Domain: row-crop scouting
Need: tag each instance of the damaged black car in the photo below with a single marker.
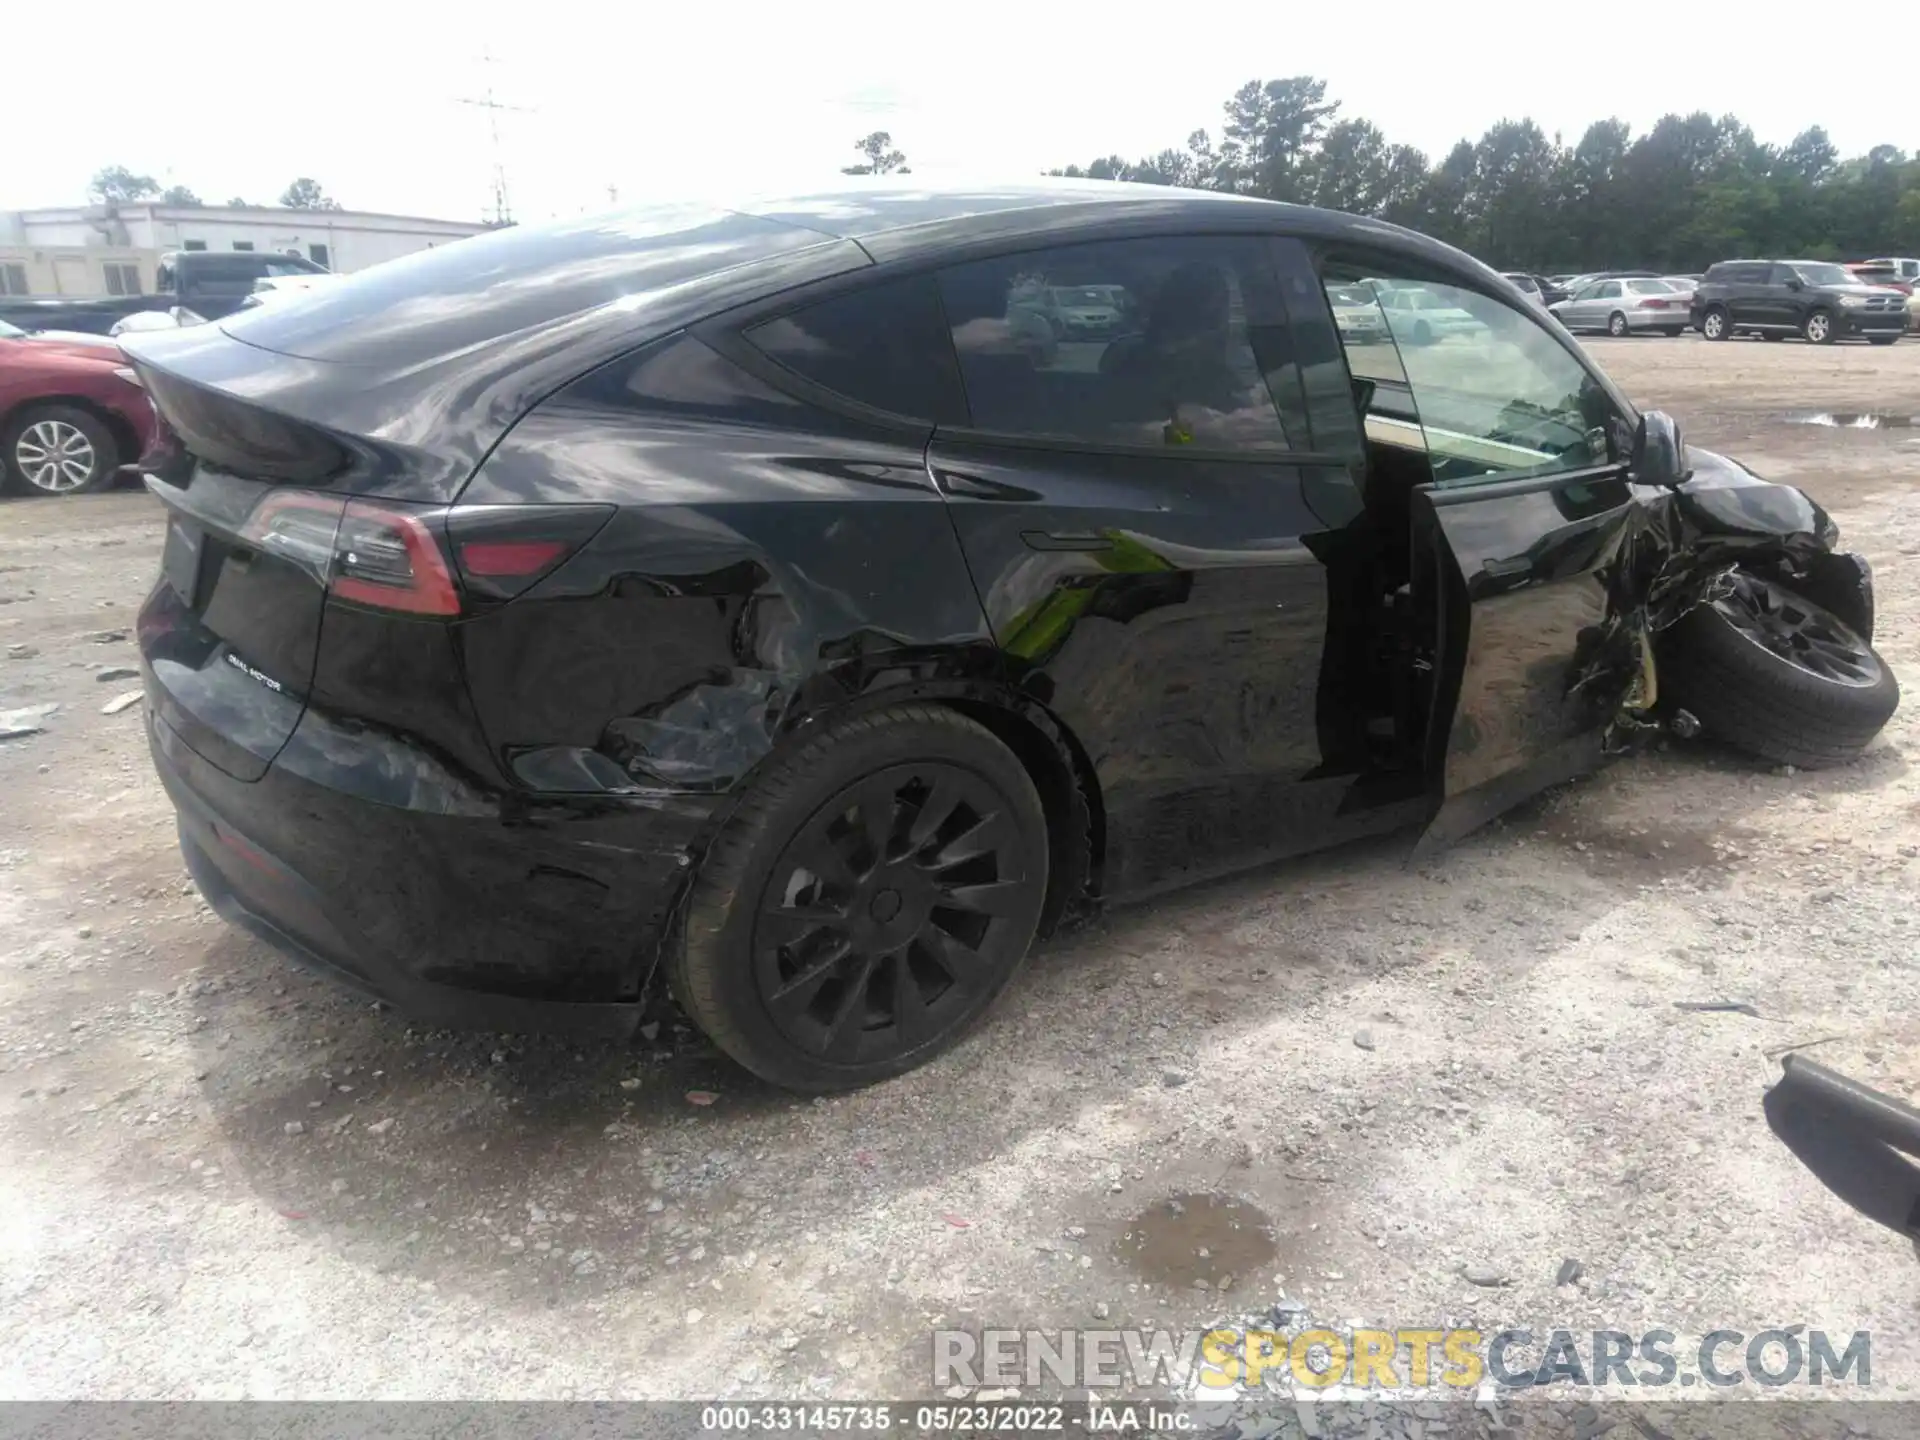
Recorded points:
(781, 604)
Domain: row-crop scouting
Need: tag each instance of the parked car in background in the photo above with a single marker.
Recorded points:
(72, 413)
(1883, 273)
(1900, 267)
(1526, 284)
(211, 283)
(1625, 307)
(727, 598)
(1422, 316)
(1816, 299)
(155, 320)
(1684, 286)
(1076, 312)
(1356, 314)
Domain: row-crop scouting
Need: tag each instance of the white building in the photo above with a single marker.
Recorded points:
(113, 250)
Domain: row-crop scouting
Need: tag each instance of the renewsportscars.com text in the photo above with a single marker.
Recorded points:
(1224, 1359)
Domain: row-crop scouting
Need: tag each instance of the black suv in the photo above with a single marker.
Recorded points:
(1816, 299)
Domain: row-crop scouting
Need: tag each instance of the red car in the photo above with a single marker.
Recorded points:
(71, 413)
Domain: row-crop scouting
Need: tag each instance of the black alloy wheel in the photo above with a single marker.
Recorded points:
(874, 895)
(1796, 631)
(875, 932)
(1764, 669)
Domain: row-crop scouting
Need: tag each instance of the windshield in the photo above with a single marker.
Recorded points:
(1078, 295)
(1826, 275)
(1649, 287)
(10, 332)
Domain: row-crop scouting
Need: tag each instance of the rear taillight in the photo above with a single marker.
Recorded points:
(1650, 303)
(504, 550)
(391, 560)
(420, 561)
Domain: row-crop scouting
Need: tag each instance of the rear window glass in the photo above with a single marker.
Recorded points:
(882, 345)
(479, 289)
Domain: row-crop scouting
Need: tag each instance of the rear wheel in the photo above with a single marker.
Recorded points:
(1817, 328)
(1715, 324)
(59, 450)
(1883, 339)
(867, 902)
(1673, 330)
(1617, 325)
(1774, 674)
(1771, 335)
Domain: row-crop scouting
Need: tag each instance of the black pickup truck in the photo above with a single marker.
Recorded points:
(210, 283)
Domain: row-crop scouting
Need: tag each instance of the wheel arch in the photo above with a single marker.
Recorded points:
(1046, 748)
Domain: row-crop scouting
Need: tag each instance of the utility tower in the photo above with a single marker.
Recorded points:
(502, 207)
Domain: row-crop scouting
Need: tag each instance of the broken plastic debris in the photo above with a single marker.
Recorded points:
(701, 1097)
(27, 720)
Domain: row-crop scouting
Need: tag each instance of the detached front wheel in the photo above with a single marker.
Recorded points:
(869, 899)
(1771, 673)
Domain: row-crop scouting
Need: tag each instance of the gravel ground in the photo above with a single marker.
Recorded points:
(1362, 1083)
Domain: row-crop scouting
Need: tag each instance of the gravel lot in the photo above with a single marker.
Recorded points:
(224, 1179)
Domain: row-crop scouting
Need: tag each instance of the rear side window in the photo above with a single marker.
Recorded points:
(1151, 343)
(881, 345)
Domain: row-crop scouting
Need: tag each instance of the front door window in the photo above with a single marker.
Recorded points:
(1486, 390)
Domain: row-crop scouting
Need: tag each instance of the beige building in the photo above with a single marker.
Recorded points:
(113, 250)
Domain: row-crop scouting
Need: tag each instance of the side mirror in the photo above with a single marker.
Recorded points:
(1794, 282)
(1659, 454)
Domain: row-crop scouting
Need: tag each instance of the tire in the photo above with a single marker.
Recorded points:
(792, 901)
(1771, 335)
(1422, 333)
(1617, 326)
(1775, 675)
(1672, 330)
(1818, 328)
(58, 450)
(1882, 339)
(1716, 324)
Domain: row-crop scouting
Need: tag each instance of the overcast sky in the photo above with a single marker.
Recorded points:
(664, 100)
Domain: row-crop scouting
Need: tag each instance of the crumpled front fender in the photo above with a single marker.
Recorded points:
(1725, 515)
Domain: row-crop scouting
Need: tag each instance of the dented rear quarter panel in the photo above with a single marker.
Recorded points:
(770, 562)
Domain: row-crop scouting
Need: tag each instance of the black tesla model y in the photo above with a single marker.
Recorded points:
(806, 605)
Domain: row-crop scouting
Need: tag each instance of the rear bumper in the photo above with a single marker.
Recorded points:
(497, 922)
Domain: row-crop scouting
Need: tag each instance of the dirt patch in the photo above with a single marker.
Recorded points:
(1197, 1242)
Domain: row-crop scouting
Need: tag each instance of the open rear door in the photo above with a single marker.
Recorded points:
(1534, 659)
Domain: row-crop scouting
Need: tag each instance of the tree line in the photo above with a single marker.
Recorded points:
(117, 185)
(1692, 190)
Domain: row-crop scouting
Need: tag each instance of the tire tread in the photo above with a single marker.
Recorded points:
(1752, 700)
